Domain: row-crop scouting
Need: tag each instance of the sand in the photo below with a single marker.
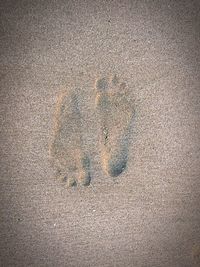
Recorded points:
(100, 144)
(66, 149)
(116, 118)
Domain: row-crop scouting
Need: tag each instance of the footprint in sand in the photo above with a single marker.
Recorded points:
(116, 114)
(67, 147)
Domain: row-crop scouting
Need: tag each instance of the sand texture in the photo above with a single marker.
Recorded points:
(116, 115)
(67, 149)
(100, 133)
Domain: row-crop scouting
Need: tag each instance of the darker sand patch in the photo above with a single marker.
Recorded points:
(196, 254)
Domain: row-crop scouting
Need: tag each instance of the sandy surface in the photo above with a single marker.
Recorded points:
(149, 215)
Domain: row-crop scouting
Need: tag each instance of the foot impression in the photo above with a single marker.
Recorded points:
(116, 114)
(67, 152)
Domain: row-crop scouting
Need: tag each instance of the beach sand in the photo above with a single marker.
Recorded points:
(100, 143)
